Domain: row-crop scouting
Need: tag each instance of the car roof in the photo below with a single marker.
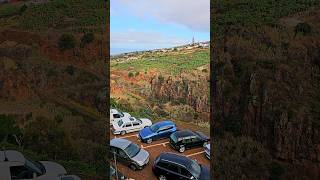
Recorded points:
(128, 119)
(120, 143)
(164, 123)
(11, 156)
(184, 133)
(176, 158)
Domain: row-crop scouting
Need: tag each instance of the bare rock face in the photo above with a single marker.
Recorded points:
(183, 90)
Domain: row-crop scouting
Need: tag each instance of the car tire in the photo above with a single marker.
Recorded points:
(133, 167)
(162, 177)
(123, 133)
(149, 141)
(182, 149)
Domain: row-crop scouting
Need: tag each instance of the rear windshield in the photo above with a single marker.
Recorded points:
(174, 138)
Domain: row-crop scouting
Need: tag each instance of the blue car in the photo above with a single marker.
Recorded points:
(159, 130)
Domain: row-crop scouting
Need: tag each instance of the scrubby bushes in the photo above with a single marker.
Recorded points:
(66, 41)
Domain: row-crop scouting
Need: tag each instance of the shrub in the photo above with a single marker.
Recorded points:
(8, 128)
(276, 170)
(23, 9)
(130, 74)
(66, 41)
(70, 70)
(303, 28)
(137, 74)
(87, 38)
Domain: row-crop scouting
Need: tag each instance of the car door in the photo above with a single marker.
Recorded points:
(185, 174)
(124, 157)
(136, 126)
(166, 169)
(186, 142)
(174, 171)
(128, 127)
(164, 132)
(197, 142)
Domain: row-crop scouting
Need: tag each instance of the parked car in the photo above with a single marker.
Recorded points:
(174, 166)
(130, 124)
(186, 139)
(115, 115)
(207, 150)
(116, 175)
(128, 153)
(159, 130)
(13, 165)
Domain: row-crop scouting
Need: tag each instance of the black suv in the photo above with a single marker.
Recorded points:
(174, 166)
(186, 139)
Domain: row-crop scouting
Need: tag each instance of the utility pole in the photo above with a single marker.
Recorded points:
(115, 165)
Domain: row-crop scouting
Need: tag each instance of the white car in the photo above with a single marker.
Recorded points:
(130, 124)
(13, 165)
(115, 115)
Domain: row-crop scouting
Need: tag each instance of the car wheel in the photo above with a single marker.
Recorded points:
(182, 149)
(123, 133)
(133, 167)
(162, 177)
(149, 140)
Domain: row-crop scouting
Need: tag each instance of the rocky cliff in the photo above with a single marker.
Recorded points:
(183, 89)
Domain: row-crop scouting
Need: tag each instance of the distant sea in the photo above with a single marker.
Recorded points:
(116, 51)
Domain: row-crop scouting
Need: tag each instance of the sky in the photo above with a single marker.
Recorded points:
(137, 25)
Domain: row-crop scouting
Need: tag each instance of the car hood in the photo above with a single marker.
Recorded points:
(115, 125)
(205, 173)
(146, 122)
(141, 157)
(53, 170)
(146, 133)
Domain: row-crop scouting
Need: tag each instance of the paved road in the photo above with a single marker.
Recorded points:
(154, 149)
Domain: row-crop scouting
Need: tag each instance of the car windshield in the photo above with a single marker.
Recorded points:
(121, 114)
(120, 122)
(195, 169)
(35, 166)
(154, 127)
(174, 138)
(139, 120)
(132, 150)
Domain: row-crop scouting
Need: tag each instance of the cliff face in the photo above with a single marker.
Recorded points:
(192, 91)
(269, 90)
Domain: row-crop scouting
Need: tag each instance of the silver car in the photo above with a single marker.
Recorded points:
(128, 153)
(13, 165)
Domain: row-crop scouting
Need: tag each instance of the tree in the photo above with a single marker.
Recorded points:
(9, 130)
(87, 38)
(23, 9)
(66, 41)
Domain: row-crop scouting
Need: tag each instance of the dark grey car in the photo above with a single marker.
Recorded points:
(128, 153)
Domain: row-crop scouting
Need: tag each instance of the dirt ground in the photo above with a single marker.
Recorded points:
(154, 149)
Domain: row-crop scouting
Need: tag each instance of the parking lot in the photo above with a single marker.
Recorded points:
(154, 149)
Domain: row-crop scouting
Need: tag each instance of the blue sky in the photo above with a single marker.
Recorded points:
(151, 24)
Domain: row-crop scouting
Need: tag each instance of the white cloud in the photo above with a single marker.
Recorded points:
(194, 14)
(138, 37)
